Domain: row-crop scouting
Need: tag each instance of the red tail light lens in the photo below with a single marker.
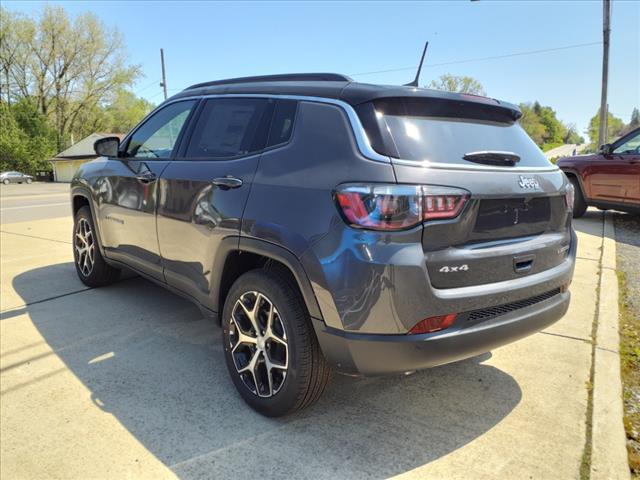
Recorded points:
(433, 324)
(397, 207)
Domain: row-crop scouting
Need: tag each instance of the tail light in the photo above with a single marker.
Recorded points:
(569, 196)
(397, 207)
(433, 324)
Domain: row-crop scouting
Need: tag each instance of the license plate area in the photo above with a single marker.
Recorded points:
(512, 217)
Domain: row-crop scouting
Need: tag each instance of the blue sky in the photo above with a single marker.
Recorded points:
(213, 40)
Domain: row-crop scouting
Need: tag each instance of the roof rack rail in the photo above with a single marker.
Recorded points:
(284, 77)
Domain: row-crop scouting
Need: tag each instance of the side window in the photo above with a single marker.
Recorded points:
(229, 127)
(282, 123)
(157, 137)
(630, 147)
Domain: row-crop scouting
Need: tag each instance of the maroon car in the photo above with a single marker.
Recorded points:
(609, 179)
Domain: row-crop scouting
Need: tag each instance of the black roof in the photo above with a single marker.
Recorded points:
(336, 86)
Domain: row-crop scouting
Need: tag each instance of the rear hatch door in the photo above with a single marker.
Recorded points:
(516, 221)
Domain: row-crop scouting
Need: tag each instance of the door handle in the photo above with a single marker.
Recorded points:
(523, 263)
(146, 177)
(225, 183)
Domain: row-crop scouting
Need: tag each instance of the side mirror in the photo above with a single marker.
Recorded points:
(107, 147)
(606, 149)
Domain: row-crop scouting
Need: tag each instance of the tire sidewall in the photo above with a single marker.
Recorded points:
(579, 204)
(263, 282)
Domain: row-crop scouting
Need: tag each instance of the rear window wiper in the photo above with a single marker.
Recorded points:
(492, 157)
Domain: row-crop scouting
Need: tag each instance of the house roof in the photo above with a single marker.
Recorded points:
(84, 148)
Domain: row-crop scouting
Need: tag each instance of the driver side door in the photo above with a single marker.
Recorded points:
(126, 195)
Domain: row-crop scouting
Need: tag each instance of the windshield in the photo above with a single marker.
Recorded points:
(447, 140)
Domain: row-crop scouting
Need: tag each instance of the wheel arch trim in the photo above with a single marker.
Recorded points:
(271, 251)
(84, 192)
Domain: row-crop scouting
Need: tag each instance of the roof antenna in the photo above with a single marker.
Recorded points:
(415, 80)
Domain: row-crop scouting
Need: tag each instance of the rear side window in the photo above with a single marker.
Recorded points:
(282, 123)
(229, 127)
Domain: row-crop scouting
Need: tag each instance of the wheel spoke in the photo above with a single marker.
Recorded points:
(256, 326)
(251, 368)
(243, 338)
(84, 246)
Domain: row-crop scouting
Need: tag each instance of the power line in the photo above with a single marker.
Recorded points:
(155, 82)
(481, 59)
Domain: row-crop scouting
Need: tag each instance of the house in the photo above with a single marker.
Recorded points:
(66, 163)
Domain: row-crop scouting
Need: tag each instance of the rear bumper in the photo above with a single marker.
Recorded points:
(374, 354)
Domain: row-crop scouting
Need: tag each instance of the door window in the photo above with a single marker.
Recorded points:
(157, 137)
(630, 147)
(230, 127)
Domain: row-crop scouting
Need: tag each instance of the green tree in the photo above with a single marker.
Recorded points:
(572, 135)
(615, 128)
(125, 111)
(531, 123)
(27, 140)
(454, 83)
(69, 67)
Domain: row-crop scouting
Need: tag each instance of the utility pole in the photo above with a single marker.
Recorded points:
(163, 84)
(606, 30)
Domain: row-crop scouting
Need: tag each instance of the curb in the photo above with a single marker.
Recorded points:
(608, 442)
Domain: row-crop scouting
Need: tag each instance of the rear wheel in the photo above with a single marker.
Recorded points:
(579, 205)
(29, 180)
(271, 351)
(5, 181)
(90, 265)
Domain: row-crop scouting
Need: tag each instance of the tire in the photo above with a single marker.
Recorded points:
(307, 372)
(579, 205)
(91, 267)
(5, 181)
(29, 181)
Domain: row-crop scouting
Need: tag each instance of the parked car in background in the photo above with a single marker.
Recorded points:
(608, 179)
(15, 177)
(329, 224)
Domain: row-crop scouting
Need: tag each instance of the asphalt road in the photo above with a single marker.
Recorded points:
(129, 381)
(22, 202)
(565, 150)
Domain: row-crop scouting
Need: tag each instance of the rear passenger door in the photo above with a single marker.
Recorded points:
(204, 190)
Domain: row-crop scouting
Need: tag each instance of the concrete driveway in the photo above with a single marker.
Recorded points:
(129, 381)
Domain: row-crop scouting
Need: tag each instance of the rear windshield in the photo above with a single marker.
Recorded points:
(447, 140)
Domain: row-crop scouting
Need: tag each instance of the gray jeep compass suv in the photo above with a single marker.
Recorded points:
(333, 225)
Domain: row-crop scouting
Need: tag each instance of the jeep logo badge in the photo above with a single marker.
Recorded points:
(528, 183)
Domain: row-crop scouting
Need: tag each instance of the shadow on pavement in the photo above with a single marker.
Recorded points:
(149, 358)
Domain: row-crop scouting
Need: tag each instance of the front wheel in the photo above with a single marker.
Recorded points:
(270, 348)
(91, 267)
(29, 180)
(5, 181)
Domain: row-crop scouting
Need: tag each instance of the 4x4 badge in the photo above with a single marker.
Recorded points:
(459, 268)
(528, 183)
